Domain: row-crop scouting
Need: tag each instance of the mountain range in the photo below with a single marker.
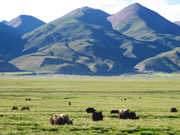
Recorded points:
(89, 41)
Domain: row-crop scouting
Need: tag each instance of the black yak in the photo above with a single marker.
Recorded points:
(96, 116)
(90, 110)
(114, 111)
(125, 114)
(173, 110)
(60, 120)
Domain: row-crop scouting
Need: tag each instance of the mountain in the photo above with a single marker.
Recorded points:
(83, 42)
(177, 22)
(4, 21)
(7, 67)
(144, 24)
(164, 62)
(11, 43)
(25, 23)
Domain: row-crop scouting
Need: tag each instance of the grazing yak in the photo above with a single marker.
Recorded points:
(14, 108)
(90, 110)
(96, 116)
(173, 110)
(125, 114)
(69, 103)
(114, 111)
(25, 108)
(60, 120)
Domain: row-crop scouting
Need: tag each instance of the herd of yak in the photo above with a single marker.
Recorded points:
(96, 116)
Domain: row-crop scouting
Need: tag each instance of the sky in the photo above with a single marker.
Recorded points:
(49, 10)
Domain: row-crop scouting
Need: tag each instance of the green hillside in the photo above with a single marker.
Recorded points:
(164, 62)
(144, 24)
(83, 42)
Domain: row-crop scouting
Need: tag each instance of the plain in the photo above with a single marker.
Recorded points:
(151, 99)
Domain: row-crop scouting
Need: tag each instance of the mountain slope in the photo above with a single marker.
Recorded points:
(83, 42)
(164, 62)
(177, 22)
(144, 24)
(11, 44)
(7, 67)
(25, 23)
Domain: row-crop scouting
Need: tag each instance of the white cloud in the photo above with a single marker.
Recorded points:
(49, 10)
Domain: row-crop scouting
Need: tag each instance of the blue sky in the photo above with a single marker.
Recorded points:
(173, 2)
(49, 10)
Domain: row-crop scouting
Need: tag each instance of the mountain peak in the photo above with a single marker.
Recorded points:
(149, 18)
(126, 13)
(87, 15)
(25, 23)
(135, 4)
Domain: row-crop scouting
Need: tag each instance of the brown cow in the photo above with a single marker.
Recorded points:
(25, 108)
(14, 108)
(60, 120)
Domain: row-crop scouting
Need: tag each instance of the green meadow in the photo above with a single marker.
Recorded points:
(50, 95)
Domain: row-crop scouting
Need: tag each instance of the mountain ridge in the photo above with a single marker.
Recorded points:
(25, 23)
(150, 20)
(86, 42)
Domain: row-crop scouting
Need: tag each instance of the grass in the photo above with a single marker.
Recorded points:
(51, 95)
(16, 73)
(167, 74)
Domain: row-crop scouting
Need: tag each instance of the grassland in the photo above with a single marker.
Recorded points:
(50, 95)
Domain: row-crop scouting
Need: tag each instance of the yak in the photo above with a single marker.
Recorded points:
(125, 114)
(130, 115)
(114, 111)
(123, 111)
(173, 110)
(14, 108)
(90, 110)
(96, 116)
(60, 120)
(25, 108)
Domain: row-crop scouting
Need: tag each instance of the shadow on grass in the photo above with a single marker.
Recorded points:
(156, 116)
(69, 97)
(100, 129)
(79, 129)
(114, 116)
(49, 129)
(93, 129)
(147, 131)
